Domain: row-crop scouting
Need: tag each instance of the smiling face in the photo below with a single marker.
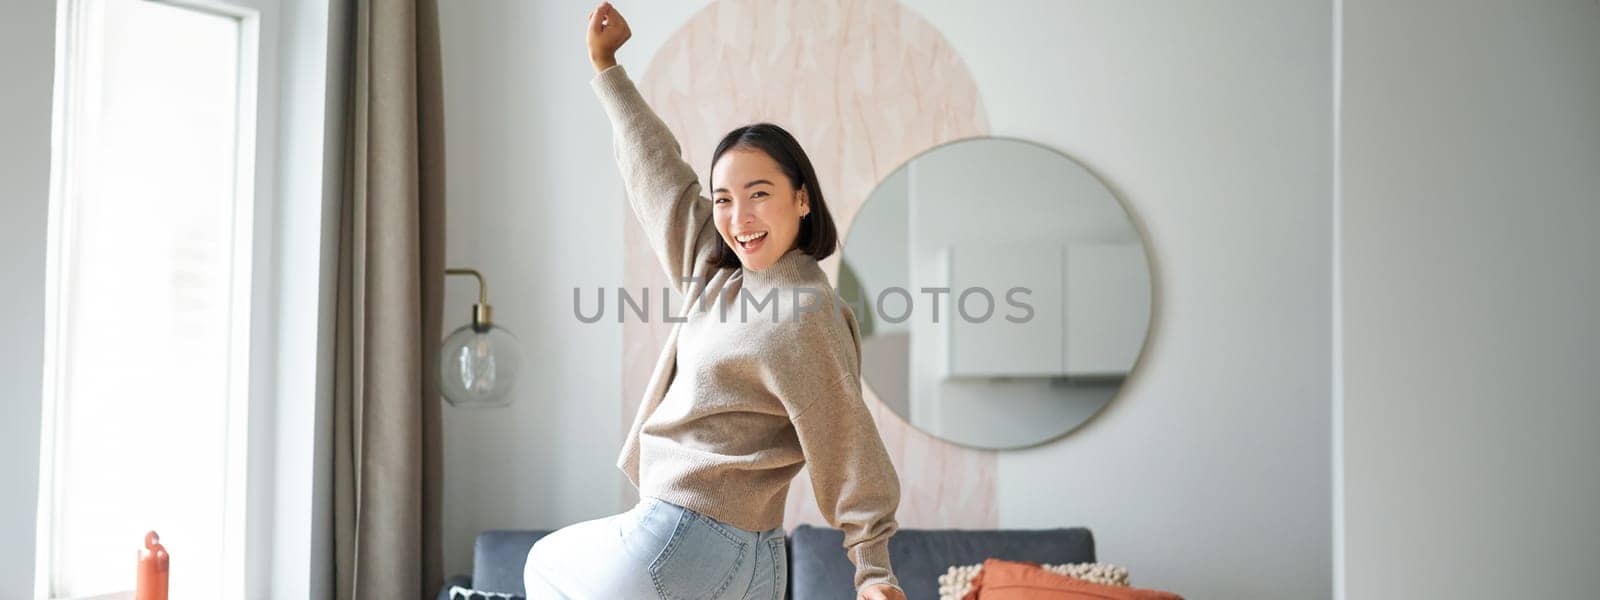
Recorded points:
(756, 209)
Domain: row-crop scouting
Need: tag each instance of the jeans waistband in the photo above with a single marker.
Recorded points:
(777, 532)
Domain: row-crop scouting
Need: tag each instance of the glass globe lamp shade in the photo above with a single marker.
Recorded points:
(478, 365)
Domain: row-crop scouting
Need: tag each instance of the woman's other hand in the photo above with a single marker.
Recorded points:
(607, 32)
(881, 592)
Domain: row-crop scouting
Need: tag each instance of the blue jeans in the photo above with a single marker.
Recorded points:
(658, 550)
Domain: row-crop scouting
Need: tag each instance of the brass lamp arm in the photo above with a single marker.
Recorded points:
(482, 313)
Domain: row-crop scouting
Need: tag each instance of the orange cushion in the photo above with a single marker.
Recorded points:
(1021, 580)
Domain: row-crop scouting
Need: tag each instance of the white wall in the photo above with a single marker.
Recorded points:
(1470, 137)
(27, 29)
(1210, 477)
(536, 205)
(299, 515)
(1210, 474)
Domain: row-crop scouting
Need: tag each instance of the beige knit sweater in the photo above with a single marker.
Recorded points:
(761, 377)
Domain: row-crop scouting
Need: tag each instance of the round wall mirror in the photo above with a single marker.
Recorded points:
(1003, 292)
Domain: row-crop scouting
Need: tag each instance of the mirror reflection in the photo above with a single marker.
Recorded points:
(1003, 292)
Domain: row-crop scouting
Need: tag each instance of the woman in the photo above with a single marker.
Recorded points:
(753, 384)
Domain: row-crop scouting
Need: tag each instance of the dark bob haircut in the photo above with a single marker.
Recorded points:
(818, 236)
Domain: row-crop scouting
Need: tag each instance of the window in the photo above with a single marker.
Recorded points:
(149, 316)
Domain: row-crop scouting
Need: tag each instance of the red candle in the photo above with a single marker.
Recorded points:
(152, 582)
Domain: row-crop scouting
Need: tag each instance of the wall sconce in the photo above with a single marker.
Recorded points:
(479, 361)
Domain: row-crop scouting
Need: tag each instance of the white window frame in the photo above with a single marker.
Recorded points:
(248, 529)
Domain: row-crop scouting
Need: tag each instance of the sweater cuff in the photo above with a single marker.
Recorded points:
(872, 565)
(608, 78)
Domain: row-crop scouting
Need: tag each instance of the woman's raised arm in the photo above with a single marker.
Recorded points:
(662, 188)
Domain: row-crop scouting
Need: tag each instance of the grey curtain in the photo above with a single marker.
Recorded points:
(387, 456)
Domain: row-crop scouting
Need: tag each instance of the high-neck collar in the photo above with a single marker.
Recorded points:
(794, 268)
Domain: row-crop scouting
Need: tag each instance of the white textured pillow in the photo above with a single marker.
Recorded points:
(957, 581)
(460, 593)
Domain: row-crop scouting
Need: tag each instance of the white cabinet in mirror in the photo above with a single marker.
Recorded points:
(1003, 291)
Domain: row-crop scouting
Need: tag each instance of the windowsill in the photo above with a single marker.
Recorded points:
(128, 595)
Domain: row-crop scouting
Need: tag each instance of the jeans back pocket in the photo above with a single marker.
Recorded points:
(699, 561)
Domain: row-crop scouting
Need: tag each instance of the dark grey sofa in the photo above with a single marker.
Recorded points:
(818, 568)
